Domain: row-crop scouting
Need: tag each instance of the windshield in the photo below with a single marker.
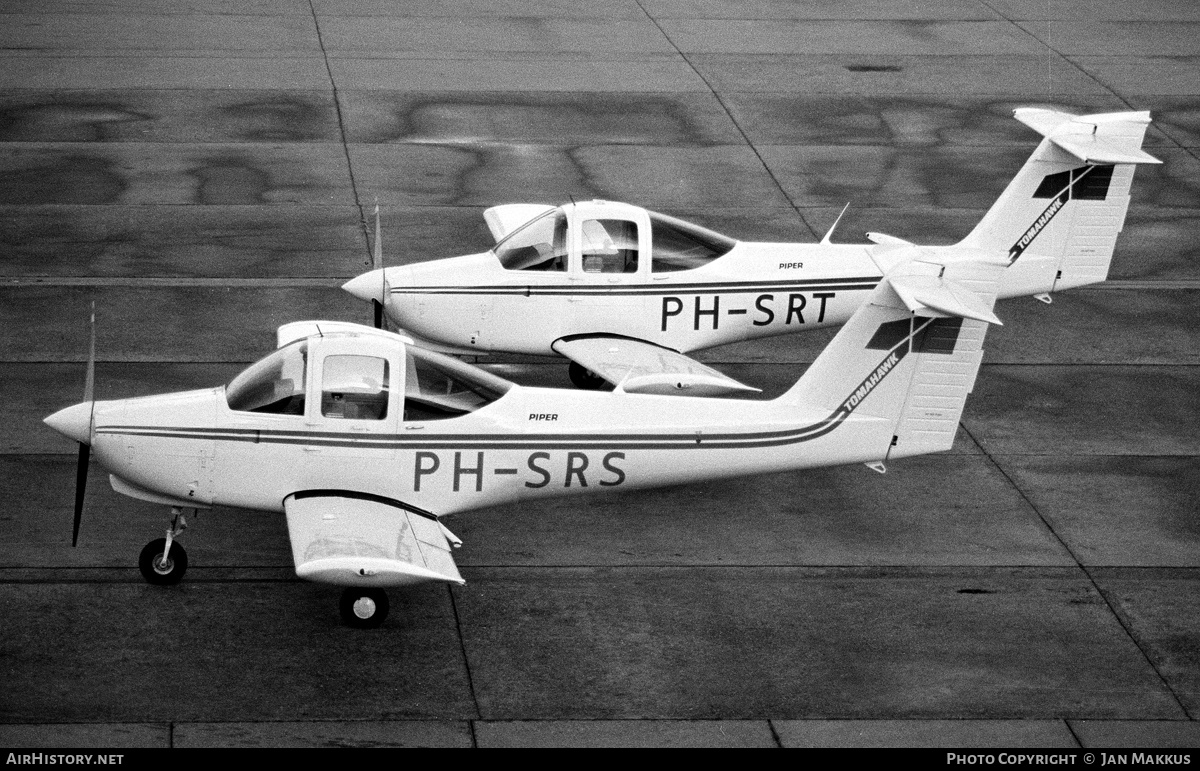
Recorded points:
(677, 245)
(537, 245)
(273, 385)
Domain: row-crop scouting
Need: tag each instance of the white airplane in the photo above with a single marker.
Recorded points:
(582, 279)
(363, 439)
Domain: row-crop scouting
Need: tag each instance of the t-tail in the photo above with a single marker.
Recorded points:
(1059, 218)
(906, 360)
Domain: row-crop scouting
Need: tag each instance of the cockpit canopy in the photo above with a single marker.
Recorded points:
(354, 377)
(274, 384)
(537, 245)
(680, 245)
(600, 237)
(438, 386)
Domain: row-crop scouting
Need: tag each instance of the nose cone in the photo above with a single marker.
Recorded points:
(74, 422)
(367, 287)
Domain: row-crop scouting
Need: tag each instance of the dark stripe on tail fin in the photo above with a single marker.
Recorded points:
(1090, 183)
(938, 336)
(1086, 183)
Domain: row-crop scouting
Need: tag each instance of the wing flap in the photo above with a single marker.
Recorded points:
(350, 540)
(636, 366)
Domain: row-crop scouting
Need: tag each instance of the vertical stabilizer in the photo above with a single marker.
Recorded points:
(908, 356)
(1059, 218)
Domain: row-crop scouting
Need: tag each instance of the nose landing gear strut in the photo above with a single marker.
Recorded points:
(163, 562)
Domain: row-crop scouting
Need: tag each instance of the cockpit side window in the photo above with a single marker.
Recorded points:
(354, 387)
(609, 246)
(438, 387)
(274, 385)
(537, 245)
(679, 245)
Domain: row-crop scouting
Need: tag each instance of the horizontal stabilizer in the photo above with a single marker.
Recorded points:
(357, 540)
(504, 219)
(931, 292)
(1114, 137)
(636, 366)
(1094, 149)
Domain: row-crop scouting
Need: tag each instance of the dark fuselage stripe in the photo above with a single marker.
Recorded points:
(508, 442)
(845, 284)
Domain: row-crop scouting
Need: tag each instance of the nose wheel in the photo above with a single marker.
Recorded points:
(163, 562)
(161, 567)
(364, 608)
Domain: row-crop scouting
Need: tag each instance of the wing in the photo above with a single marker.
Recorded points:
(636, 366)
(358, 540)
(502, 220)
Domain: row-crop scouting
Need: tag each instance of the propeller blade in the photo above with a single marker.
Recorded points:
(81, 474)
(89, 383)
(377, 254)
(85, 448)
(377, 264)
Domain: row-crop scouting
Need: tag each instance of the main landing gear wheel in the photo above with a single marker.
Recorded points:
(364, 608)
(162, 572)
(584, 378)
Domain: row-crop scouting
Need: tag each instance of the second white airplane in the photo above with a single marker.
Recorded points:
(624, 292)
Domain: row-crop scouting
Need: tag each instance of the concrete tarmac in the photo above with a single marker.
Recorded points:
(205, 172)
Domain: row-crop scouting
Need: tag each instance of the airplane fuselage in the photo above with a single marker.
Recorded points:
(757, 290)
(190, 449)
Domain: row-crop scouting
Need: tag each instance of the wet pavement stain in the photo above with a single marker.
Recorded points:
(281, 119)
(76, 178)
(556, 177)
(545, 119)
(231, 182)
(939, 177)
(90, 121)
